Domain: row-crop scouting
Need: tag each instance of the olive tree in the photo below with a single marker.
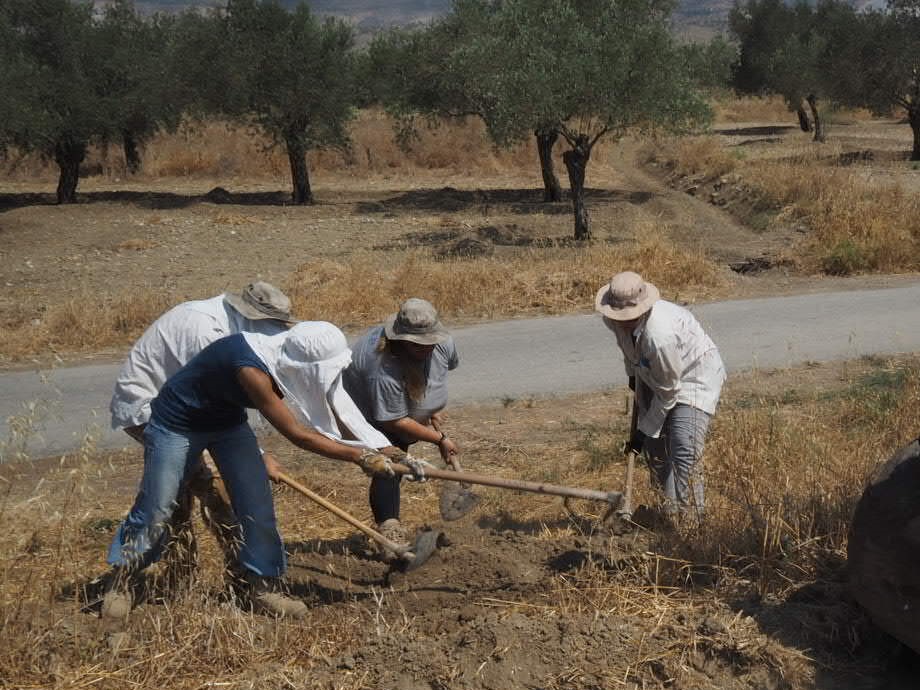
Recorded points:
(432, 72)
(590, 69)
(879, 66)
(139, 85)
(52, 85)
(288, 73)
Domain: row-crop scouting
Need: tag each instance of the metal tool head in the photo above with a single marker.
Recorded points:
(457, 499)
(424, 547)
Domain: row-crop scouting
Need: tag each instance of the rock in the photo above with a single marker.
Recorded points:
(884, 547)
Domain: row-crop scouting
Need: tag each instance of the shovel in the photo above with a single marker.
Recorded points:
(457, 499)
(409, 558)
(613, 499)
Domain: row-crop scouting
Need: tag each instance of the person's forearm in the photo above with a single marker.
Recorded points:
(414, 430)
(316, 442)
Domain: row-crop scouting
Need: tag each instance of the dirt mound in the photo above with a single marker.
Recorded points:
(510, 609)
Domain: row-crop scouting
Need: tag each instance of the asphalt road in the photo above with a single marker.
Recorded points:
(527, 358)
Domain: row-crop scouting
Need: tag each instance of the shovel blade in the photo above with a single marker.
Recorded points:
(456, 500)
(425, 545)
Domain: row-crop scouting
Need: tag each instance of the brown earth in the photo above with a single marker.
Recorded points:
(185, 238)
(525, 594)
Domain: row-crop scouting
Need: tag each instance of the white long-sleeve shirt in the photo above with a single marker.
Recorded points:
(167, 345)
(674, 357)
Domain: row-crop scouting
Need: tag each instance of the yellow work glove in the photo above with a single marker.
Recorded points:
(376, 464)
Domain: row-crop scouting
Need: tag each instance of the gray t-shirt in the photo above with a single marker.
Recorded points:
(374, 382)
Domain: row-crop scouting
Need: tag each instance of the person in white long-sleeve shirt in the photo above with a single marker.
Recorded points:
(171, 341)
(677, 375)
(167, 345)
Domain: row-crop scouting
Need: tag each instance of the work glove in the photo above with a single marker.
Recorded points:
(635, 442)
(376, 464)
(418, 466)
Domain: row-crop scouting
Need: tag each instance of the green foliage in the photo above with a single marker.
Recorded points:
(592, 68)
(710, 64)
(845, 259)
(427, 71)
(288, 73)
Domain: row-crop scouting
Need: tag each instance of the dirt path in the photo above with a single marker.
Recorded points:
(688, 221)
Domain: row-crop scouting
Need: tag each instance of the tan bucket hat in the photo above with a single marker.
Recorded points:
(261, 300)
(416, 321)
(626, 297)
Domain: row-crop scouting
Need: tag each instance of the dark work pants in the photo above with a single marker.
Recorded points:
(384, 494)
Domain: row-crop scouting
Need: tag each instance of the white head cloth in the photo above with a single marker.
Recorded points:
(306, 362)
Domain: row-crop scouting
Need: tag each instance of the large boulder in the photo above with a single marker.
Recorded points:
(883, 556)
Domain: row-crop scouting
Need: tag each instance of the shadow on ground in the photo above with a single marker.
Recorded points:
(152, 200)
(764, 131)
(522, 201)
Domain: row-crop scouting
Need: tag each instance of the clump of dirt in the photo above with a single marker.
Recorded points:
(514, 609)
(466, 242)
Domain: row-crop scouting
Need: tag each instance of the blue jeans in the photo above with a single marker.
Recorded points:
(674, 457)
(171, 459)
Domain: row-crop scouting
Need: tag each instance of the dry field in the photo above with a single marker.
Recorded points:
(452, 219)
(526, 595)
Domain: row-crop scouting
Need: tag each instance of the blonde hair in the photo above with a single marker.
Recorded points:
(414, 374)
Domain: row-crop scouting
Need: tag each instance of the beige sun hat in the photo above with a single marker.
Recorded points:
(626, 297)
(261, 300)
(416, 321)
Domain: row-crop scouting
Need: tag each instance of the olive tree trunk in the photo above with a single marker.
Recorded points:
(913, 116)
(819, 124)
(132, 151)
(804, 122)
(546, 139)
(68, 154)
(297, 156)
(576, 163)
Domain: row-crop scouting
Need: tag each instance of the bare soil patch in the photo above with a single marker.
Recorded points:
(526, 594)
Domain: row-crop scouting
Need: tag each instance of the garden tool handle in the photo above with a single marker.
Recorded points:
(627, 508)
(401, 551)
(612, 497)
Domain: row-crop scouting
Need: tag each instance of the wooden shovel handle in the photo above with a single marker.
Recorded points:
(347, 517)
(612, 497)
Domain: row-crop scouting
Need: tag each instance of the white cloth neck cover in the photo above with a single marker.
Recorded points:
(307, 363)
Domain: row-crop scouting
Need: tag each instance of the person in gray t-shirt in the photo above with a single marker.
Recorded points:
(398, 379)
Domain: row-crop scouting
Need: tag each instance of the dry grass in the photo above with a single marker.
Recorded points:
(82, 323)
(702, 156)
(858, 222)
(223, 150)
(786, 460)
(534, 281)
(360, 291)
(732, 108)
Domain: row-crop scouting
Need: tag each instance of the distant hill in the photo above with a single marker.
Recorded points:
(694, 19)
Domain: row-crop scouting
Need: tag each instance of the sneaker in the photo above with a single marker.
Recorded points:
(393, 530)
(119, 598)
(268, 598)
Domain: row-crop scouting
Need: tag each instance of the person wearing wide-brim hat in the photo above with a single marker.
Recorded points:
(677, 375)
(398, 379)
(167, 345)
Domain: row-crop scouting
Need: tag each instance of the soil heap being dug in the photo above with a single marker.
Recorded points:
(533, 607)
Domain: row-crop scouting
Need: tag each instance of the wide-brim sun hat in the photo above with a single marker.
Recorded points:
(626, 297)
(417, 322)
(261, 300)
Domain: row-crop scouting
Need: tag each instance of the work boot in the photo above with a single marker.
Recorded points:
(267, 596)
(393, 530)
(119, 596)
